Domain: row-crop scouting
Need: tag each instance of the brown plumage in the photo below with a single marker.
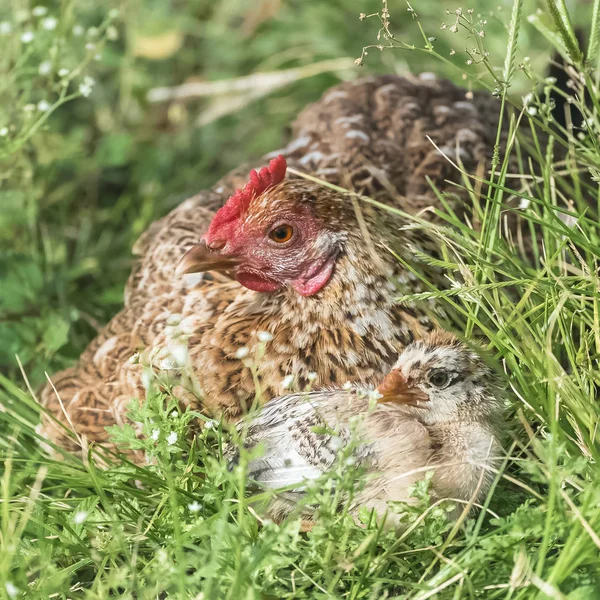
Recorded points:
(439, 410)
(369, 136)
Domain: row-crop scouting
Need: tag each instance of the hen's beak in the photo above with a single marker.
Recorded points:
(201, 258)
(395, 389)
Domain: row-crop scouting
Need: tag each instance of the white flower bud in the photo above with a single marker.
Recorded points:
(242, 352)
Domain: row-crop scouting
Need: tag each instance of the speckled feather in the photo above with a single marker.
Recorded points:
(367, 135)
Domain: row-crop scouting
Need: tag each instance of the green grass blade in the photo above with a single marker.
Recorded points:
(594, 43)
(513, 39)
(562, 22)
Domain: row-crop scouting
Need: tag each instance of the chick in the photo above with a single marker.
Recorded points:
(439, 409)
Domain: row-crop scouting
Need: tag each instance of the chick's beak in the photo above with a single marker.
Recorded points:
(201, 258)
(396, 390)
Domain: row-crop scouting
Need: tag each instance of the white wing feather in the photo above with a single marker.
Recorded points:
(293, 452)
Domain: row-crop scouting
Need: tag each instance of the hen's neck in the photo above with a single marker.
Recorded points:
(361, 286)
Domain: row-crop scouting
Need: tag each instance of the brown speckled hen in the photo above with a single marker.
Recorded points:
(327, 295)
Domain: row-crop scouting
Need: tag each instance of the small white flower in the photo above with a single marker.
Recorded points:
(85, 87)
(134, 359)
(50, 23)
(155, 434)
(45, 67)
(80, 517)
(264, 336)
(527, 99)
(78, 30)
(39, 11)
(147, 379)
(174, 319)
(180, 354)
(211, 424)
(532, 110)
(90, 46)
(112, 34)
(174, 414)
(11, 589)
(287, 381)
(3, 131)
(113, 13)
(43, 105)
(172, 438)
(63, 72)
(336, 443)
(5, 28)
(347, 385)
(194, 506)
(92, 32)
(242, 352)
(350, 461)
(97, 57)
(374, 395)
(354, 420)
(27, 36)
(312, 376)
(167, 364)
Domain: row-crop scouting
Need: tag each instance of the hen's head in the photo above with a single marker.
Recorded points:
(272, 233)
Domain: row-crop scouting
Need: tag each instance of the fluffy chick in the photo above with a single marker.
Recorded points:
(439, 409)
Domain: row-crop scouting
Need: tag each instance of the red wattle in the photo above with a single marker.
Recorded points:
(309, 287)
(256, 283)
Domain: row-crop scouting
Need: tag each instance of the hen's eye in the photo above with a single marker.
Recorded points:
(281, 234)
(439, 378)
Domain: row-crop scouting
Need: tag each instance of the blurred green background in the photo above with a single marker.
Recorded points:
(80, 180)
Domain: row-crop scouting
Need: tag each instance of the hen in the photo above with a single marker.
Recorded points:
(325, 297)
(439, 409)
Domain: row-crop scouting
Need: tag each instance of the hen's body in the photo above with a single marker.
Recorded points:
(369, 136)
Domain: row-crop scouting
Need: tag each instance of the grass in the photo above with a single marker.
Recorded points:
(85, 170)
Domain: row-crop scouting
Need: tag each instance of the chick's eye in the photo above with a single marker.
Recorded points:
(439, 379)
(281, 233)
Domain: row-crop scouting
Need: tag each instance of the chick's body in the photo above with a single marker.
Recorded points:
(407, 428)
(297, 452)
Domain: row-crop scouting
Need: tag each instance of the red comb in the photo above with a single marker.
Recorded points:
(258, 183)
